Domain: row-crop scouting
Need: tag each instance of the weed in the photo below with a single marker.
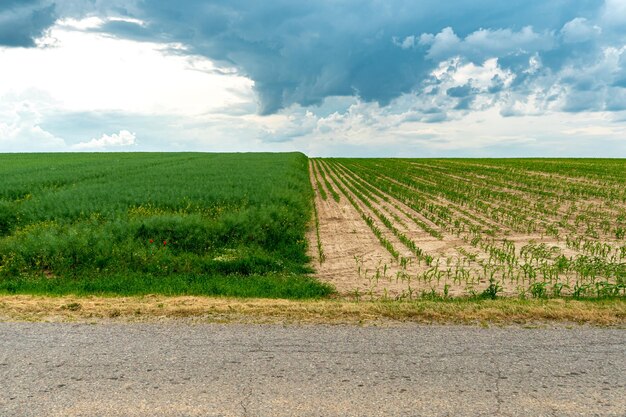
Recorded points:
(492, 290)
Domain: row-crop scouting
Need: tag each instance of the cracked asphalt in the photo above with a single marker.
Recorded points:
(180, 369)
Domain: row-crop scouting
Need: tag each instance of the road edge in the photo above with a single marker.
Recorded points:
(159, 308)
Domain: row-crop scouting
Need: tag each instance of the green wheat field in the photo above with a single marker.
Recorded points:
(227, 224)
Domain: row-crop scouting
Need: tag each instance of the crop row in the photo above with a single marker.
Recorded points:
(511, 229)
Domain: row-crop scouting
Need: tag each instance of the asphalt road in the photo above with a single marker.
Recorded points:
(263, 370)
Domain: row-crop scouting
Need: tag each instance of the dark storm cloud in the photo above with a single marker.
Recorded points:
(460, 91)
(21, 22)
(129, 30)
(303, 52)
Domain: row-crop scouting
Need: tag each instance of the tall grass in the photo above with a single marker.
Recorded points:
(133, 223)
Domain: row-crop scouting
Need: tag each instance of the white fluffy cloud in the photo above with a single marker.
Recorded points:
(614, 13)
(123, 139)
(20, 131)
(580, 30)
(483, 132)
(86, 71)
(484, 43)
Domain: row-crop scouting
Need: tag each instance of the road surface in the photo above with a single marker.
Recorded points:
(269, 370)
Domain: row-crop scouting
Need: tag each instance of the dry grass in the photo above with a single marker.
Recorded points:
(156, 308)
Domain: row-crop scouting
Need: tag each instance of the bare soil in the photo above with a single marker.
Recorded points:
(346, 240)
(358, 265)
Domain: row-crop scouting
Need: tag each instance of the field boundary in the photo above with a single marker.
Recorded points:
(157, 308)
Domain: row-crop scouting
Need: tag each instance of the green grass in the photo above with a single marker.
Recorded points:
(186, 223)
(255, 286)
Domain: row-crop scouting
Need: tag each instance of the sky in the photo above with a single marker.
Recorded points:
(388, 78)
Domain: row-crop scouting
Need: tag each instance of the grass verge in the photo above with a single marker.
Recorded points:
(151, 308)
(288, 286)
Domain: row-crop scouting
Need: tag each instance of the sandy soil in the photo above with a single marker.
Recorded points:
(346, 241)
(358, 265)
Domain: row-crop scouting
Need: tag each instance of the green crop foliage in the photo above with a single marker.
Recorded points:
(186, 223)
